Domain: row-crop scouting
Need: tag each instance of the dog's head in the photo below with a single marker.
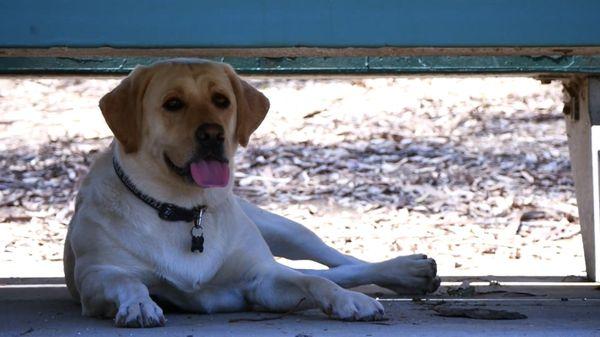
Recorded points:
(185, 116)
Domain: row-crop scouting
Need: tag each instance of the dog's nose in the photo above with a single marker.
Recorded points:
(210, 132)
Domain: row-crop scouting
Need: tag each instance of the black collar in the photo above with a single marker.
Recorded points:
(169, 212)
(166, 211)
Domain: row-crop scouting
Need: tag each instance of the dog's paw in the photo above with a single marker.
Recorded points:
(413, 274)
(352, 306)
(140, 314)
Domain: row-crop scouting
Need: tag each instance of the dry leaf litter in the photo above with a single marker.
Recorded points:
(472, 171)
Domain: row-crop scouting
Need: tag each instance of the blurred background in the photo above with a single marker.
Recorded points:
(471, 171)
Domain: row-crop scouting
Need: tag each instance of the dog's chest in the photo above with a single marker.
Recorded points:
(167, 252)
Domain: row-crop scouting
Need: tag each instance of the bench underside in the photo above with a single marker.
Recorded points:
(303, 37)
(291, 24)
(336, 65)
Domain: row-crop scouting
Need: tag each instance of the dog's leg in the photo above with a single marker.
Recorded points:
(413, 274)
(293, 241)
(109, 291)
(280, 288)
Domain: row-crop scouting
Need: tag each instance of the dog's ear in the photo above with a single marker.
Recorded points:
(122, 108)
(252, 107)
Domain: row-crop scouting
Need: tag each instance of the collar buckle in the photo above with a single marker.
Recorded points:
(166, 211)
(170, 212)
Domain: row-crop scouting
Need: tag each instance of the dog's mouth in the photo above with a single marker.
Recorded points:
(205, 171)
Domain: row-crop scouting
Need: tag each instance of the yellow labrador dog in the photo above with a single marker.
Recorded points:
(156, 214)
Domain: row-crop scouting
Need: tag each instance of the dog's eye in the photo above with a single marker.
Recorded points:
(173, 104)
(220, 101)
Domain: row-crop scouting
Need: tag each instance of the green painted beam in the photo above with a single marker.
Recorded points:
(320, 65)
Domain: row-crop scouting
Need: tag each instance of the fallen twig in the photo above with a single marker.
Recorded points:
(476, 313)
(270, 318)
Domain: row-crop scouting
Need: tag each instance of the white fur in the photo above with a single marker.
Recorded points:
(118, 251)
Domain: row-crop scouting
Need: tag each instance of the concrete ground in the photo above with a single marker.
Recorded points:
(552, 309)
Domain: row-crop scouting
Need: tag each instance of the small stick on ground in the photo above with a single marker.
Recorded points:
(270, 318)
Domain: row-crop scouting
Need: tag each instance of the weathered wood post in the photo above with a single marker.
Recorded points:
(583, 132)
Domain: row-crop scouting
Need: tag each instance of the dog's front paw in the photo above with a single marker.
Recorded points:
(352, 306)
(142, 313)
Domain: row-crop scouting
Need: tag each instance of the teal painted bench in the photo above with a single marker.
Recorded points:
(547, 39)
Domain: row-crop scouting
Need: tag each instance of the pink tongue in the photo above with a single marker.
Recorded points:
(210, 173)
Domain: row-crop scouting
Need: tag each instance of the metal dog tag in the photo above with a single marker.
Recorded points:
(197, 233)
(197, 243)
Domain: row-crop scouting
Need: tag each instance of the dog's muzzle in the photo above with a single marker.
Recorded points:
(209, 166)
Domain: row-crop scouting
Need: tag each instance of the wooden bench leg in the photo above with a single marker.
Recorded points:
(583, 132)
